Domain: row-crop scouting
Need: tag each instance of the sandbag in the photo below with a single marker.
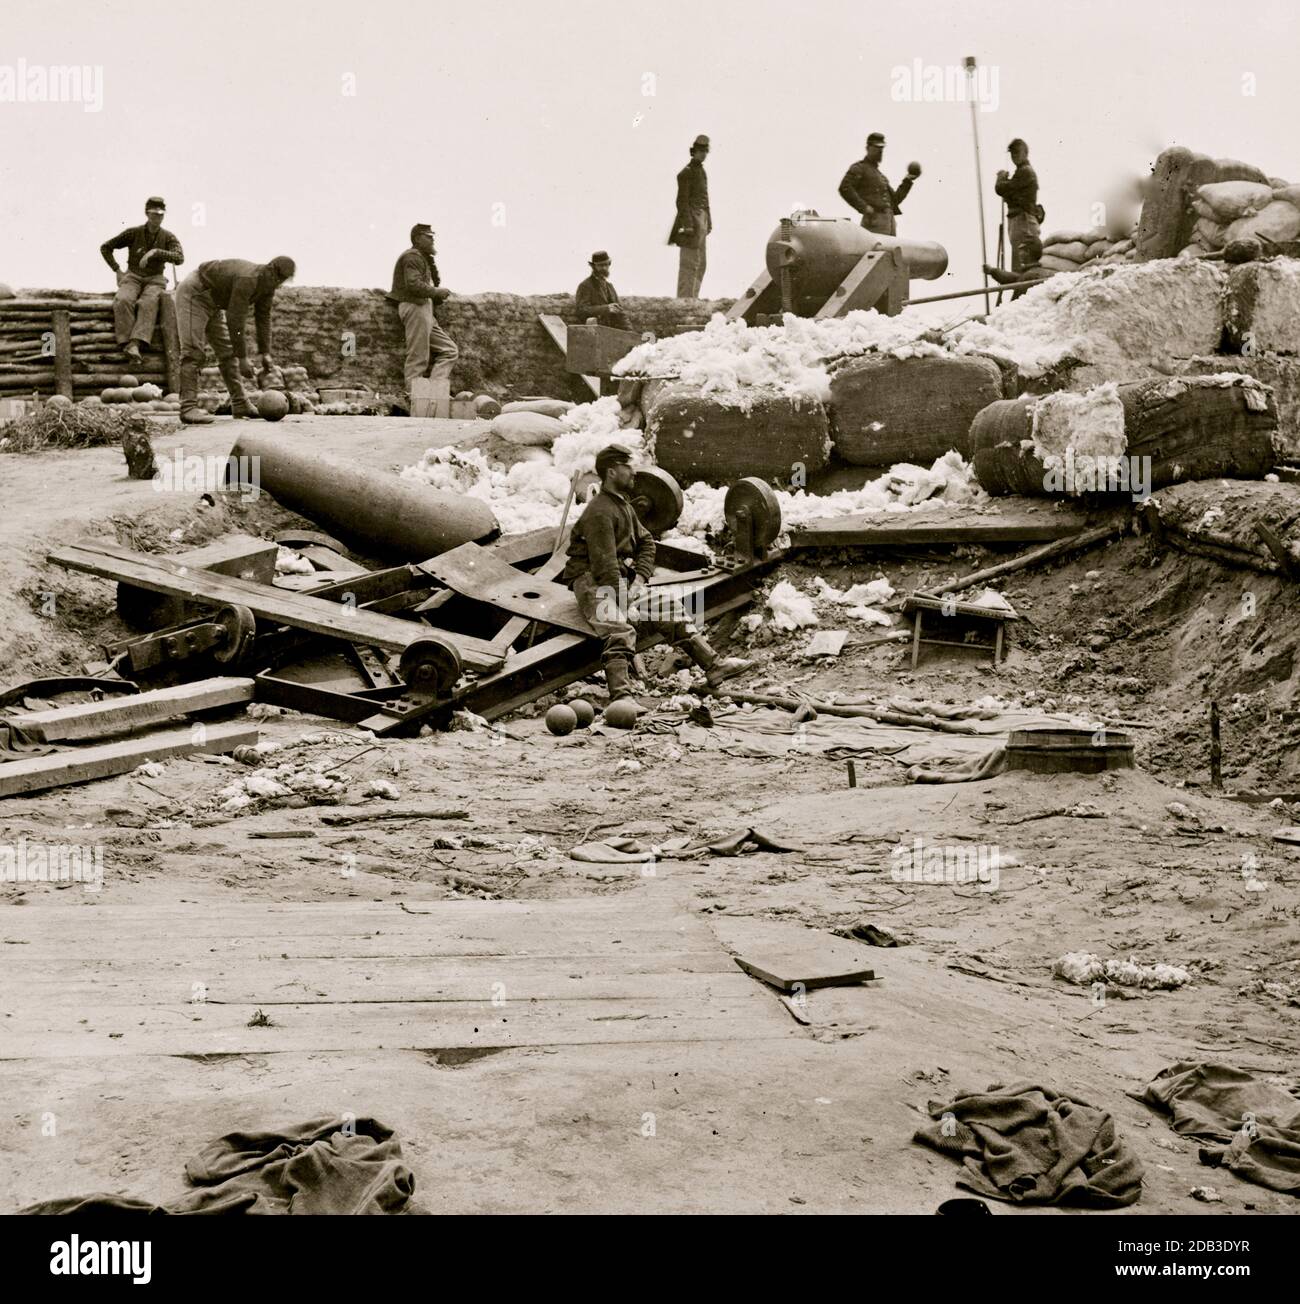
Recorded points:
(1278, 221)
(886, 410)
(548, 407)
(1288, 194)
(532, 429)
(1075, 251)
(1001, 437)
(1063, 237)
(698, 437)
(1261, 307)
(1208, 233)
(1233, 199)
(1201, 427)
(1054, 264)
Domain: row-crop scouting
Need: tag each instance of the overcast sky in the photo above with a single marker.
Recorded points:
(529, 134)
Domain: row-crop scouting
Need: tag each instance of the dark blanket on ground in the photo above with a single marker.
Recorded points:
(326, 1166)
(1255, 1125)
(1026, 1144)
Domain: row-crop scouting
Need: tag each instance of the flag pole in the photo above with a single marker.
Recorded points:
(979, 175)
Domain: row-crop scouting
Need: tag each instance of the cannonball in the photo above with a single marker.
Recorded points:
(59, 401)
(914, 169)
(1245, 250)
(561, 719)
(272, 405)
(127, 382)
(622, 713)
(584, 710)
(6, 292)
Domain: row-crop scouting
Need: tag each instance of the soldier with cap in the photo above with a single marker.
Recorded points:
(139, 288)
(693, 221)
(611, 559)
(212, 306)
(416, 288)
(865, 188)
(597, 298)
(1019, 191)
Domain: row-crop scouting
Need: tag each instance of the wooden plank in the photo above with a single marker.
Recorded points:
(517, 549)
(888, 529)
(81, 764)
(558, 330)
(243, 555)
(125, 714)
(62, 352)
(594, 349)
(299, 611)
(476, 573)
(790, 957)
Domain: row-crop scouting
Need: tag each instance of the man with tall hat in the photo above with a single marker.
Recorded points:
(597, 298)
(865, 189)
(417, 287)
(611, 559)
(212, 307)
(692, 222)
(149, 248)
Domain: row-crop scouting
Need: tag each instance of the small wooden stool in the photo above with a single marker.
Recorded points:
(955, 613)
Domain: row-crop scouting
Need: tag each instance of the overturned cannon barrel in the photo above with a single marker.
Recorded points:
(381, 514)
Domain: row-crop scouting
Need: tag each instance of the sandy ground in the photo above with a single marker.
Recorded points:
(818, 1121)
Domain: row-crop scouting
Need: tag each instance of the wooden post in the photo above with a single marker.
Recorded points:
(1216, 750)
(62, 352)
(171, 342)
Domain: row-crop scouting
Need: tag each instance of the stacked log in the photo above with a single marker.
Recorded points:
(65, 346)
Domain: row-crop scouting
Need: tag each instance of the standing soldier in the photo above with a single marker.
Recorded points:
(1020, 191)
(866, 190)
(611, 559)
(693, 222)
(416, 288)
(139, 288)
(211, 308)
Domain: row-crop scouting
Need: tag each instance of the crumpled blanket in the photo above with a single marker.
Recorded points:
(328, 1165)
(1027, 1144)
(628, 851)
(1255, 1125)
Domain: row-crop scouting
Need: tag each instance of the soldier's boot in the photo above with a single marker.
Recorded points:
(191, 413)
(240, 407)
(617, 680)
(716, 669)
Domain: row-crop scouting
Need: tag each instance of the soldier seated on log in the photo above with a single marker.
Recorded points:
(140, 288)
(611, 560)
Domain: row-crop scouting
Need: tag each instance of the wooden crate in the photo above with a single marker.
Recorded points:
(593, 350)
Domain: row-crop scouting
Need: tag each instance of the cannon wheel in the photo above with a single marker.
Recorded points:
(764, 510)
(657, 498)
(240, 628)
(430, 665)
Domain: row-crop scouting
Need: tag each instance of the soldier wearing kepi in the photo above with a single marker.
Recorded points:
(611, 560)
(1019, 191)
(693, 221)
(141, 287)
(416, 288)
(865, 189)
(212, 306)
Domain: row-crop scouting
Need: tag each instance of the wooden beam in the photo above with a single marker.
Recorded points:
(1076, 542)
(871, 530)
(243, 555)
(81, 764)
(556, 328)
(127, 714)
(297, 610)
(62, 353)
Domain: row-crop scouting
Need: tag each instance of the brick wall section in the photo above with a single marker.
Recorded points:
(503, 348)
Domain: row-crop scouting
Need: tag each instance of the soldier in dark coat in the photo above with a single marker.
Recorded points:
(692, 222)
(865, 189)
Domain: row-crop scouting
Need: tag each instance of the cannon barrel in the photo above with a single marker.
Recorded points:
(822, 251)
(382, 514)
